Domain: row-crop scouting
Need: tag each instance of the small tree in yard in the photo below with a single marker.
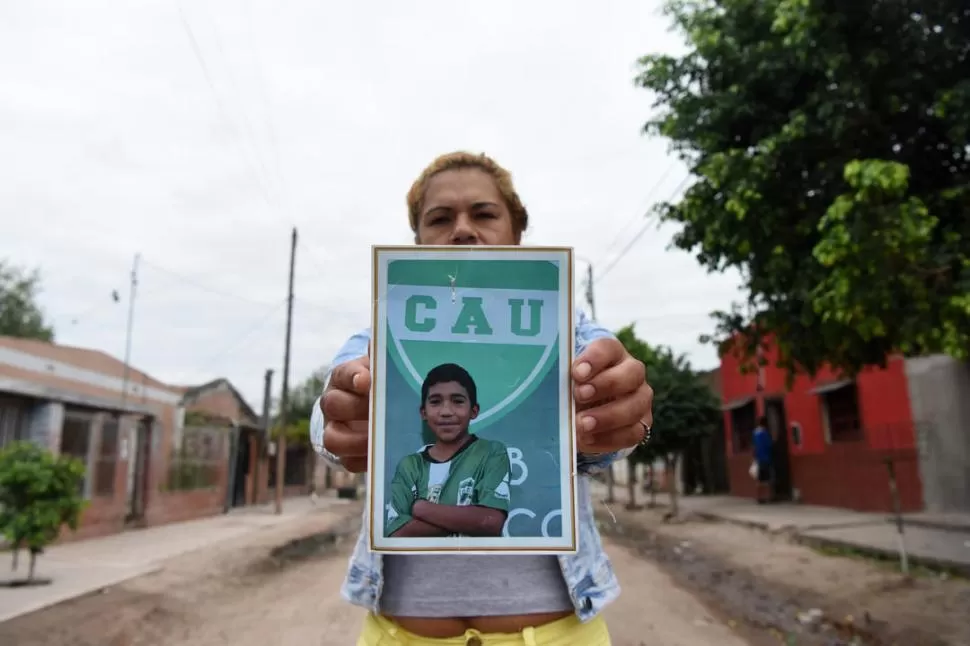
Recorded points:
(39, 494)
(684, 408)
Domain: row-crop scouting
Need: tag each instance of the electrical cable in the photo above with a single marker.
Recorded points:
(650, 218)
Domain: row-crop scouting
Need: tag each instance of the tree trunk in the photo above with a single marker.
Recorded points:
(631, 484)
(16, 553)
(609, 484)
(33, 562)
(670, 467)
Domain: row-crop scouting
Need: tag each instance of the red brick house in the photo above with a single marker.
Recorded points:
(833, 435)
(154, 453)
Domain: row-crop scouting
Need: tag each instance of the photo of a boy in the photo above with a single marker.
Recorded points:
(460, 484)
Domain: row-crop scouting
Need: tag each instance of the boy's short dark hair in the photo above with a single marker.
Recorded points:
(445, 373)
(763, 421)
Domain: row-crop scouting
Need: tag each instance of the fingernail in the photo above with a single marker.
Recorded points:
(585, 391)
(587, 423)
(354, 380)
(583, 370)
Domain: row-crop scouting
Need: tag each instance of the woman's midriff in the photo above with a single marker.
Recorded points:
(441, 628)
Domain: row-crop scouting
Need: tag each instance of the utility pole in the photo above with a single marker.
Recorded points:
(267, 425)
(131, 320)
(589, 290)
(284, 398)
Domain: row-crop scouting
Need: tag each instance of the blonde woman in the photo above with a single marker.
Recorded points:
(500, 600)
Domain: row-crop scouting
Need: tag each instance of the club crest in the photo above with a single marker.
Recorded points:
(478, 310)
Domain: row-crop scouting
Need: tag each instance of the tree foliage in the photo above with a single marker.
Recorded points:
(20, 315)
(830, 143)
(684, 408)
(39, 494)
(299, 406)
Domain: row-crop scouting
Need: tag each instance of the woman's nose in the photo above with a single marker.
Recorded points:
(464, 231)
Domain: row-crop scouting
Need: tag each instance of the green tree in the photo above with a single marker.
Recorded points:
(299, 407)
(830, 144)
(684, 409)
(39, 494)
(20, 316)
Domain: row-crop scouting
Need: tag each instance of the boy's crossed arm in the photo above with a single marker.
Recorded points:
(486, 517)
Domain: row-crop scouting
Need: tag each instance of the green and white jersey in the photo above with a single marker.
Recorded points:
(478, 474)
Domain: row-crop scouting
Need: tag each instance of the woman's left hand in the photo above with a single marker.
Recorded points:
(613, 398)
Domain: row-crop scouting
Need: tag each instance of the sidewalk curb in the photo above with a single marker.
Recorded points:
(800, 535)
(343, 513)
(881, 554)
(59, 598)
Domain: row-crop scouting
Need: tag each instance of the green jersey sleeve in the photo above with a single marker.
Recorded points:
(492, 488)
(401, 496)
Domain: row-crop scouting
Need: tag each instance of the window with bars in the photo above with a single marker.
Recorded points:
(76, 441)
(197, 463)
(106, 464)
(840, 414)
(14, 421)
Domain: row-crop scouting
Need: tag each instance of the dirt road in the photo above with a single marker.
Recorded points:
(249, 592)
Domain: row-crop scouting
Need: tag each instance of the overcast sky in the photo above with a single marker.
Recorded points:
(200, 141)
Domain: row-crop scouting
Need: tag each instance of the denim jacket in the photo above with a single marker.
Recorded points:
(588, 573)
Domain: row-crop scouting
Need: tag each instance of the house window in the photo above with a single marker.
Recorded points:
(840, 414)
(14, 419)
(197, 463)
(106, 465)
(76, 441)
(742, 427)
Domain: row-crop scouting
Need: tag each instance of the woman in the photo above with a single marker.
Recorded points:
(465, 199)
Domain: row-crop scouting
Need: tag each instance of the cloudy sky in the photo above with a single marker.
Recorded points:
(199, 133)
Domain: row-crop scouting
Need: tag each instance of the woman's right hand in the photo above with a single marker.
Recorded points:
(345, 407)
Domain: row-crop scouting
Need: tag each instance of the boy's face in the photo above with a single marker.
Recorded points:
(448, 411)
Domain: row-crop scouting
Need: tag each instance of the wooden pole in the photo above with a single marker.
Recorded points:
(285, 397)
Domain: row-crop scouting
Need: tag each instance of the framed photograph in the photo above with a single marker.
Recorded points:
(472, 433)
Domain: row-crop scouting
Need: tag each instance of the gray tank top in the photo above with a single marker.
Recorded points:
(460, 585)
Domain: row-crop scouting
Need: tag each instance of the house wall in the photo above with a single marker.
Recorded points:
(939, 389)
(219, 401)
(94, 375)
(842, 474)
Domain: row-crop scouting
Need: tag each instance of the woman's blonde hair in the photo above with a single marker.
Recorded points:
(460, 159)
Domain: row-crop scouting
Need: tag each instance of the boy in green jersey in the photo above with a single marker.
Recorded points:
(460, 484)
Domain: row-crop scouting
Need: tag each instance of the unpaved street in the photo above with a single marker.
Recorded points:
(247, 592)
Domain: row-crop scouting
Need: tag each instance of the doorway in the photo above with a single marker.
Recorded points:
(244, 442)
(778, 427)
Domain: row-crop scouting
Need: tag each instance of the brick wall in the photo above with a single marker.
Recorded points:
(848, 477)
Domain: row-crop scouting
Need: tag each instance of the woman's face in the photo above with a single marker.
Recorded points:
(464, 207)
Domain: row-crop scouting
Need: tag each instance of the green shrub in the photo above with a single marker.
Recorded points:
(39, 494)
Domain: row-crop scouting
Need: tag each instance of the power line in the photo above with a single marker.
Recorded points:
(206, 288)
(649, 219)
(200, 58)
(653, 189)
(250, 331)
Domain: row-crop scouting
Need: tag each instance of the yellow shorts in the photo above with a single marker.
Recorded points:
(568, 631)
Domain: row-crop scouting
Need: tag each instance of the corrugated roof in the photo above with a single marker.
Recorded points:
(84, 358)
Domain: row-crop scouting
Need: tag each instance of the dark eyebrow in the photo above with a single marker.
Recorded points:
(448, 209)
(437, 208)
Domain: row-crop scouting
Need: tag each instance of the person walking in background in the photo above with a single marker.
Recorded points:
(763, 445)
